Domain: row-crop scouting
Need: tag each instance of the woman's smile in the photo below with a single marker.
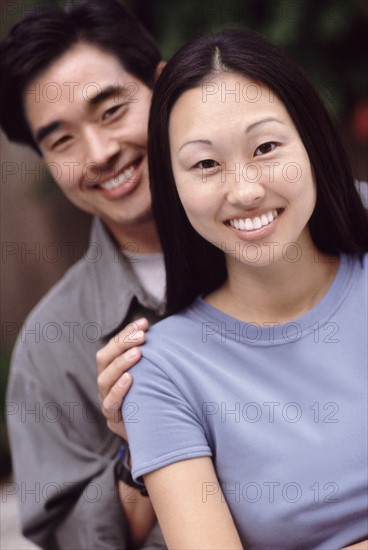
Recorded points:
(241, 169)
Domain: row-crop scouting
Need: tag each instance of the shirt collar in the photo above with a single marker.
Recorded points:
(115, 282)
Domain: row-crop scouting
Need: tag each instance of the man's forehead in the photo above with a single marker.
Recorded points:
(84, 71)
(85, 61)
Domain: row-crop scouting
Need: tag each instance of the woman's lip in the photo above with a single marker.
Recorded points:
(255, 215)
(256, 234)
(126, 187)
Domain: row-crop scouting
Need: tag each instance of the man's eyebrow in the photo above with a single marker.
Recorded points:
(263, 121)
(205, 141)
(46, 130)
(106, 93)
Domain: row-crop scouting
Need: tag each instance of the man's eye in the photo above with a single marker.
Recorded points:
(110, 112)
(265, 148)
(60, 142)
(206, 164)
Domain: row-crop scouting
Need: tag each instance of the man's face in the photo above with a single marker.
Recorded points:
(89, 117)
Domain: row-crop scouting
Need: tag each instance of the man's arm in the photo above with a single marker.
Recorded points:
(139, 512)
(113, 361)
(63, 463)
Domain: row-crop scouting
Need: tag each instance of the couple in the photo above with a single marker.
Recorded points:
(229, 417)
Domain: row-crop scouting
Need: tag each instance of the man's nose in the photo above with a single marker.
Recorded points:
(101, 148)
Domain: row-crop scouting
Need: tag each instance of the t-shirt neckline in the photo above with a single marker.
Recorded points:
(283, 333)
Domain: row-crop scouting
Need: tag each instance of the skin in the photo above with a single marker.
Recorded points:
(205, 139)
(274, 172)
(91, 139)
(96, 138)
(113, 361)
(105, 137)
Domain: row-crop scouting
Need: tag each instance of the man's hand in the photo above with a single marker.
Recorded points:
(113, 361)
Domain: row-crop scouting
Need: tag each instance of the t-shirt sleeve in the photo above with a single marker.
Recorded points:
(162, 425)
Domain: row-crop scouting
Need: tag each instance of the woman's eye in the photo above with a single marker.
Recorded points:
(265, 148)
(206, 164)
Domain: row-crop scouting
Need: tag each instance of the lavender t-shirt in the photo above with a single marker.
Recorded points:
(282, 411)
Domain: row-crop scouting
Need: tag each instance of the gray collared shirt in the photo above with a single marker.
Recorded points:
(63, 454)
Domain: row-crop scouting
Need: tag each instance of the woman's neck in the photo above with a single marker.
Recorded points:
(275, 293)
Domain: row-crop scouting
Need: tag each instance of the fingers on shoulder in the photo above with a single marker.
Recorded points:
(116, 395)
(132, 335)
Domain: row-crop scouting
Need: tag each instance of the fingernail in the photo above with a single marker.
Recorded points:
(141, 322)
(131, 353)
(125, 379)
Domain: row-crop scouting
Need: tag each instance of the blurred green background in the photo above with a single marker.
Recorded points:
(328, 38)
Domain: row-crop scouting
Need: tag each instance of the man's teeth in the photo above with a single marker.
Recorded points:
(249, 224)
(119, 179)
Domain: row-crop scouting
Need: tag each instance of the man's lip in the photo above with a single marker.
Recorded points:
(125, 187)
(115, 174)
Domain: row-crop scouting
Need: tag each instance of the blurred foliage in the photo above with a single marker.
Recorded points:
(328, 38)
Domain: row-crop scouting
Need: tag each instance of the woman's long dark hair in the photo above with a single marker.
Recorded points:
(339, 222)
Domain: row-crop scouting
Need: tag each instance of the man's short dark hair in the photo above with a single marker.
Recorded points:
(39, 39)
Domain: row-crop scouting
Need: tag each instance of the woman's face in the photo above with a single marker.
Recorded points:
(241, 170)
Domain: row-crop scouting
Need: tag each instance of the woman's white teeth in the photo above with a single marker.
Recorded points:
(257, 224)
(119, 179)
(249, 224)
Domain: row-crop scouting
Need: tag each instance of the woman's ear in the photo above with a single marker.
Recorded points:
(159, 69)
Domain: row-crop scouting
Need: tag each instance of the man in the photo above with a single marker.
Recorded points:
(102, 64)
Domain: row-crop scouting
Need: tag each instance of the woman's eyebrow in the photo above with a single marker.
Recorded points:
(205, 141)
(247, 130)
(262, 121)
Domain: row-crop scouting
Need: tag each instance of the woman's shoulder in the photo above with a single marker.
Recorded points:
(188, 319)
(171, 342)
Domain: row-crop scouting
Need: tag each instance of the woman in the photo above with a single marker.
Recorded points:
(247, 416)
